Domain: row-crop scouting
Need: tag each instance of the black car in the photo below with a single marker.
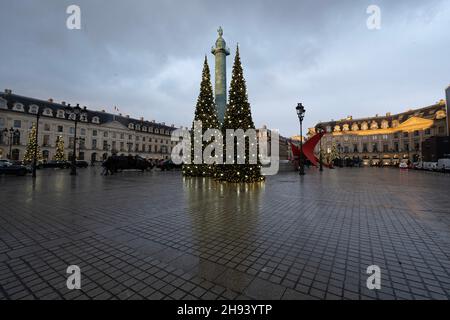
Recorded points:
(82, 164)
(167, 165)
(7, 167)
(57, 164)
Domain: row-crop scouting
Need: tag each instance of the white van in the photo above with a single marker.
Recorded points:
(443, 165)
(430, 166)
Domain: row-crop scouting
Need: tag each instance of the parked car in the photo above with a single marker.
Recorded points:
(82, 164)
(7, 167)
(403, 165)
(166, 165)
(443, 165)
(430, 166)
(57, 164)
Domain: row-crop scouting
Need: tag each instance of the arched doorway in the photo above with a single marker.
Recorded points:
(15, 154)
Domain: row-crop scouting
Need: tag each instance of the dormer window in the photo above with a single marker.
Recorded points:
(33, 109)
(72, 116)
(144, 128)
(48, 112)
(138, 127)
(3, 104)
(60, 114)
(150, 129)
(95, 120)
(384, 124)
(131, 126)
(156, 130)
(83, 117)
(18, 107)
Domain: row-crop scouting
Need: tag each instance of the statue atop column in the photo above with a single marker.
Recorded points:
(220, 51)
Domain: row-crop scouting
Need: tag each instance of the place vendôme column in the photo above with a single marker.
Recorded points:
(220, 51)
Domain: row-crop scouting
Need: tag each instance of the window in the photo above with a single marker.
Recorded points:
(355, 148)
(406, 146)
(428, 131)
(396, 135)
(95, 120)
(122, 136)
(137, 138)
(3, 104)
(16, 138)
(83, 117)
(18, 107)
(416, 133)
(70, 142)
(33, 109)
(138, 127)
(144, 128)
(122, 146)
(143, 139)
(71, 130)
(385, 136)
(46, 141)
(105, 145)
(94, 133)
(130, 137)
(2, 122)
(48, 112)
(46, 127)
(396, 148)
(405, 135)
(114, 135)
(131, 126)
(83, 131)
(375, 147)
(17, 124)
(60, 129)
(94, 144)
(60, 114)
(105, 134)
(72, 116)
(385, 148)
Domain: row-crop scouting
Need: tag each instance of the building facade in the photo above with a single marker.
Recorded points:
(384, 139)
(99, 134)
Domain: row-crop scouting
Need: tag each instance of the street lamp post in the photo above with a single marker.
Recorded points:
(301, 114)
(76, 111)
(320, 130)
(11, 135)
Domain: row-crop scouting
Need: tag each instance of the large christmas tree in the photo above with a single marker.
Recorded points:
(59, 155)
(238, 116)
(32, 146)
(205, 112)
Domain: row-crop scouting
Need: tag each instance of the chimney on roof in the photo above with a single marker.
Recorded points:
(127, 115)
(8, 91)
(376, 116)
(103, 110)
(173, 126)
(388, 114)
(153, 121)
(163, 123)
(120, 114)
(63, 103)
(142, 118)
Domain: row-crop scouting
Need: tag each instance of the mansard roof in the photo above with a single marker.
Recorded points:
(103, 117)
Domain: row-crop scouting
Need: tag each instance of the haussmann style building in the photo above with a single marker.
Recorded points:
(99, 134)
(384, 139)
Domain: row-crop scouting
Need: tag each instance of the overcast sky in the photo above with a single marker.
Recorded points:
(146, 56)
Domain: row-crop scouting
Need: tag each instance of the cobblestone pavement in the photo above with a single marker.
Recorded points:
(155, 235)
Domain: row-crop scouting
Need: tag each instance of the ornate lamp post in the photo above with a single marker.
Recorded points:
(320, 130)
(301, 114)
(11, 135)
(75, 111)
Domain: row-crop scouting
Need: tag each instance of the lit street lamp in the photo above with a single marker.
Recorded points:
(11, 135)
(75, 111)
(301, 114)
